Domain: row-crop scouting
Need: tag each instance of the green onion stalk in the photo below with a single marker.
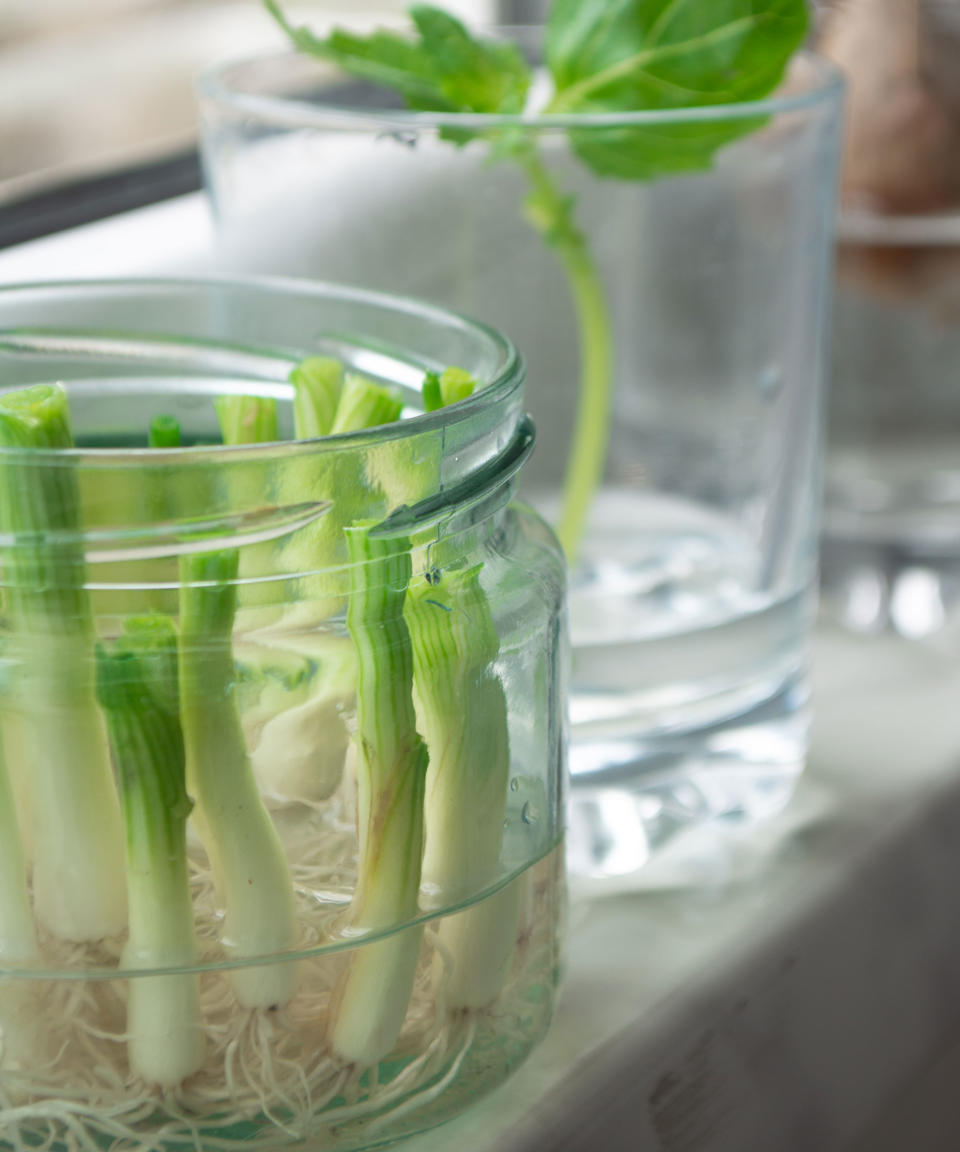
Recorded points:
(326, 402)
(78, 871)
(19, 1040)
(370, 1002)
(246, 419)
(317, 385)
(161, 503)
(360, 403)
(18, 937)
(300, 751)
(137, 685)
(13, 742)
(462, 713)
(247, 857)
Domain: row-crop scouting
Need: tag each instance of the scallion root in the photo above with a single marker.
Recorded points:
(269, 1078)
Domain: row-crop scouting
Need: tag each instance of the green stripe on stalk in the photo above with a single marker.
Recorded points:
(371, 1001)
(247, 857)
(137, 688)
(462, 710)
(340, 477)
(462, 713)
(78, 842)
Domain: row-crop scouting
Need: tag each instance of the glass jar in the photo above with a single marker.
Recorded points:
(344, 653)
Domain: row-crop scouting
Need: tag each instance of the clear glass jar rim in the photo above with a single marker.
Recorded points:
(826, 87)
(505, 381)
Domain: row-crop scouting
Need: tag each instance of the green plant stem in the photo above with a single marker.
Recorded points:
(550, 212)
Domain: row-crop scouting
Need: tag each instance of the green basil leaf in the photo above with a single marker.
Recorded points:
(610, 56)
(384, 57)
(441, 69)
(473, 75)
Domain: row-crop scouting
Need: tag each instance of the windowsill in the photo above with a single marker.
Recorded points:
(168, 239)
(785, 1000)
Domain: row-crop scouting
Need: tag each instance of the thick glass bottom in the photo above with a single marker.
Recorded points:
(688, 697)
(632, 796)
(269, 1079)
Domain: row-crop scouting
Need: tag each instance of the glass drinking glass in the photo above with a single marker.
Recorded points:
(281, 618)
(891, 548)
(693, 583)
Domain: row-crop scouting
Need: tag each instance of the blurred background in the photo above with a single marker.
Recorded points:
(88, 87)
(106, 83)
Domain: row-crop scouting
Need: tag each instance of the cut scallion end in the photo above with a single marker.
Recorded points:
(456, 384)
(432, 395)
(247, 419)
(35, 417)
(317, 385)
(365, 404)
(164, 432)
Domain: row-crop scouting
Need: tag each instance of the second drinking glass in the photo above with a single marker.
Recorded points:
(699, 298)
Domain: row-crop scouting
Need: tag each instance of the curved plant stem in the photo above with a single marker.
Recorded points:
(551, 214)
(588, 451)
